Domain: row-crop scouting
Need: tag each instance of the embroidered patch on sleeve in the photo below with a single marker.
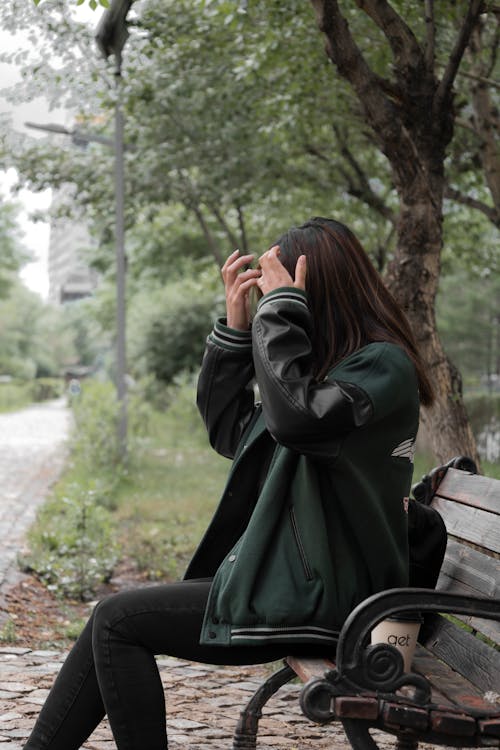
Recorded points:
(406, 449)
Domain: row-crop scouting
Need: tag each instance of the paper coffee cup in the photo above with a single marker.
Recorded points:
(401, 633)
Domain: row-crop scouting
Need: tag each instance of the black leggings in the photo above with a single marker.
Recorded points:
(111, 669)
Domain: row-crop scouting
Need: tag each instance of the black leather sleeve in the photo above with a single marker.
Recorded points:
(304, 415)
(225, 395)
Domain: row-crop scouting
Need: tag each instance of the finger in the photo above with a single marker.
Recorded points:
(230, 259)
(273, 252)
(249, 283)
(238, 263)
(251, 273)
(270, 256)
(301, 273)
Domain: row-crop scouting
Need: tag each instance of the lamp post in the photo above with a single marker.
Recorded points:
(111, 36)
(78, 138)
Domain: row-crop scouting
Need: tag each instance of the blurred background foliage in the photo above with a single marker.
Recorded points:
(231, 138)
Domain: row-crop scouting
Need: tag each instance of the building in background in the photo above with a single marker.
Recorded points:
(70, 277)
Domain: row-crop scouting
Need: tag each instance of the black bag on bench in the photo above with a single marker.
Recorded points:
(427, 539)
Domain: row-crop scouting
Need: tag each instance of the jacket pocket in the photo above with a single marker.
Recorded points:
(300, 547)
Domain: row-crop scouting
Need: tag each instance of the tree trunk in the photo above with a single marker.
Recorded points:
(412, 121)
(446, 422)
(413, 278)
(210, 239)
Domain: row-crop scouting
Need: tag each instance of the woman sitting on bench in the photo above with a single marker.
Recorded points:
(312, 519)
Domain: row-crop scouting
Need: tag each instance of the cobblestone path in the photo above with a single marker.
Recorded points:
(31, 457)
(203, 705)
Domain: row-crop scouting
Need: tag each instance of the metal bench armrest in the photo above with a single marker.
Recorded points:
(380, 667)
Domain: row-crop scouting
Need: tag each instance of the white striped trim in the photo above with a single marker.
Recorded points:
(230, 338)
(283, 627)
(259, 633)
(286, 296)
(227, 343)
(285, 636)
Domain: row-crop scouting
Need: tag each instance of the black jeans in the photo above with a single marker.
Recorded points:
(111, 669)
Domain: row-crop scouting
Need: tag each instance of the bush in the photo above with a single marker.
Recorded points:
(71, 547)
(14, 395)
(22, 368)
(481, 408)
(484, 414)
(168, 327)
(95, 440)
(44, 389)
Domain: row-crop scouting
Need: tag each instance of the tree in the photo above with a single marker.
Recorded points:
(231, 132)
(12, 254)
(168, 324)
(22, 348)
(92, 3)
(412, 116)
(217, 132)
(469, 324)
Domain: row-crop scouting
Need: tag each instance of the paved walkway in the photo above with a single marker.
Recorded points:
(203, 705)
(31, 457)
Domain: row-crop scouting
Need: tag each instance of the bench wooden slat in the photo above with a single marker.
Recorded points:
(356, 707)
(489, 628)
(471, 524)
(450, 689)
(478, 572)
(306, 669)
(490, 727)
(470, 572)
(471, 489)
(452, 724)
(463, 652)
(397, 714)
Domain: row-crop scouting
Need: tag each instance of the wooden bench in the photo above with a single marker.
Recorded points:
(452, 696)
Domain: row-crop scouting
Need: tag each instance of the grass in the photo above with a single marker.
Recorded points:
(160, 506)
(17, 394)
(8, 635)
(165, 504)
(14, 396)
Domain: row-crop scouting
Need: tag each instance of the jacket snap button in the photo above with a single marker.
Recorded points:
(232, 558)
(212, 635)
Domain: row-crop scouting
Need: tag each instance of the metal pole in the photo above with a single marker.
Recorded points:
(121, 355)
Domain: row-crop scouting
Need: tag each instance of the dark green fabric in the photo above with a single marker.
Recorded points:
(325, 532)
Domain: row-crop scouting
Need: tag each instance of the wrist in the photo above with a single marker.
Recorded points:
(237, 324)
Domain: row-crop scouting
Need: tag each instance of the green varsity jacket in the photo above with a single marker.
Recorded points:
(312, 519)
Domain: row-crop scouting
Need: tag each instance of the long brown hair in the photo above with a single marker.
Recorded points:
(349, 302)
